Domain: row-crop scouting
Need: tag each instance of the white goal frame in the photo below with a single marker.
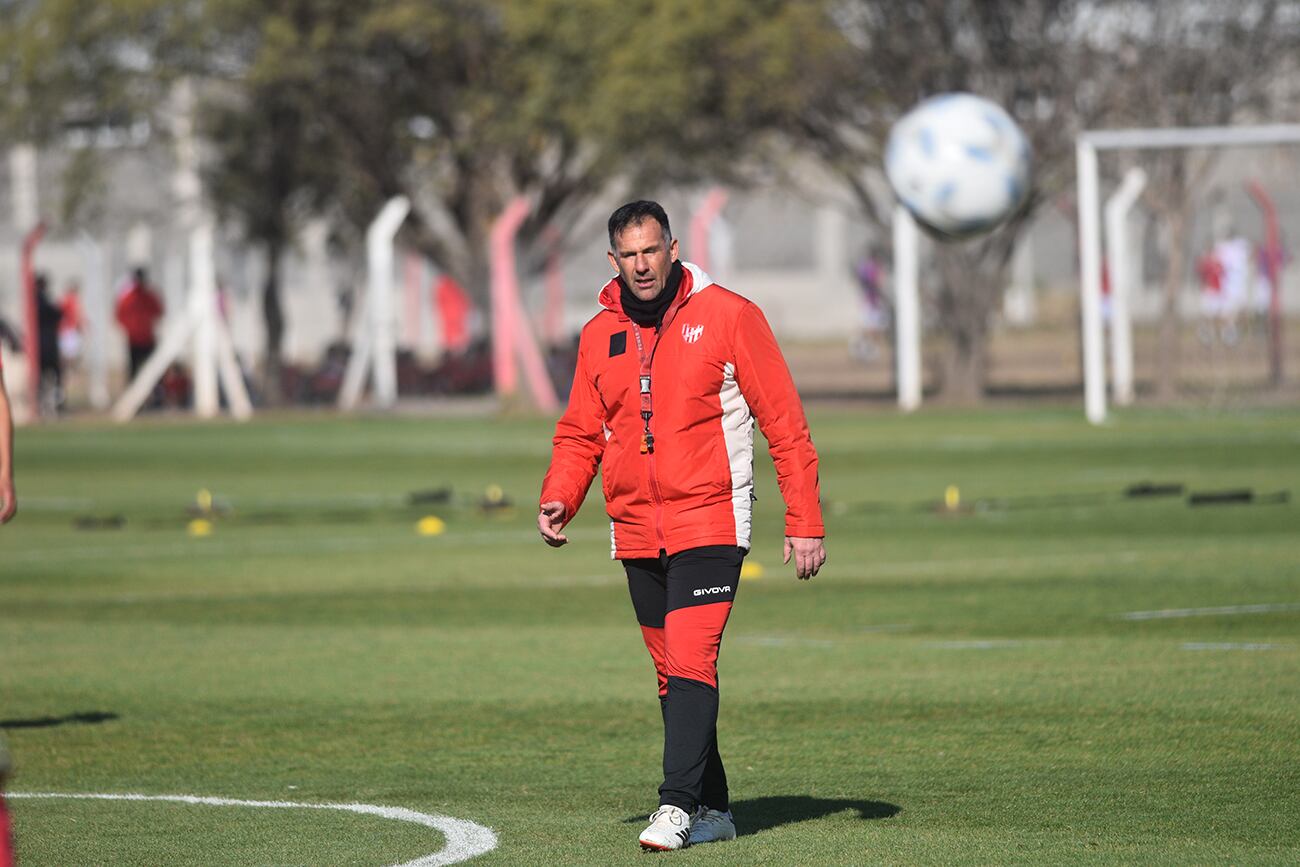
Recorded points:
(1088, 145)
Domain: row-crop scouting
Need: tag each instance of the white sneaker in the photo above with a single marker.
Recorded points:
(712, 826)
(670, 828)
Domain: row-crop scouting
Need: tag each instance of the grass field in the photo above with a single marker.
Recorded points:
(953, 688)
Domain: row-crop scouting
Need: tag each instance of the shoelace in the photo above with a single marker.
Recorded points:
(654, 817)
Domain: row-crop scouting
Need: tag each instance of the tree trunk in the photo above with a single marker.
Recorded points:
(965, 366)
(273, 314)
(1168, 335)
(971, 281)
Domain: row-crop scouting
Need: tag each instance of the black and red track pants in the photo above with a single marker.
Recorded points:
(682, 602)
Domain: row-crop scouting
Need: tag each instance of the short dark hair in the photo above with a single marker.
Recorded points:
(634, 213)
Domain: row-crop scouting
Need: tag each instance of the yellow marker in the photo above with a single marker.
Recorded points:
(951, 498)
(751, 571)
(199, 527)
(430, 525)
(204, 500)
(494, 494)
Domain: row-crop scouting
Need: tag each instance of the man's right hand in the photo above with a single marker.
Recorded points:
(549, 521)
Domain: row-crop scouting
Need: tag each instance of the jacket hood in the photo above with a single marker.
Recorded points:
(694, 279)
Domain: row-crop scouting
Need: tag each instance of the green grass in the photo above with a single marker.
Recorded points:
(953, 688)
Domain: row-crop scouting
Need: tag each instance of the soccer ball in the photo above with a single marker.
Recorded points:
(959, 163)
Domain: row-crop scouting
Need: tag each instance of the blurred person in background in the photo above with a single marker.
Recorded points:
(1210, 270)
(671, 376)
(1235, 262)
(873, 308)
(48, 317)
(72, 324)
(72, 327)
(138, 312)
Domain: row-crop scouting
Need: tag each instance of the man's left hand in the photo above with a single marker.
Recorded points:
(809, 555)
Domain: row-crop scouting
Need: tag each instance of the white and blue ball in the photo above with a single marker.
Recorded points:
(959, 163)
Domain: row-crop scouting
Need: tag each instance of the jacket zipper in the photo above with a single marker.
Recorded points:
(659, 505)
(655, 494)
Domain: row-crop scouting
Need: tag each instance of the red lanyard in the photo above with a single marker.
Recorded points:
(647, 405)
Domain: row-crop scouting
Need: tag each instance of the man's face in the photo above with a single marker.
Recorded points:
(643, 259)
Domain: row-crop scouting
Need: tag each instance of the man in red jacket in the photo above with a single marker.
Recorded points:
(672, 375)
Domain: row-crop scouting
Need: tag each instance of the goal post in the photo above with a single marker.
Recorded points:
(1088, 147)
(907, 308)
(1118, 207)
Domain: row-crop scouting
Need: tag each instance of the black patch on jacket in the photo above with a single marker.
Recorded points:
(617, 344)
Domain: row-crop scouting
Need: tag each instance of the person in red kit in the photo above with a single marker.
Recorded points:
(138, 311)
(672, 375)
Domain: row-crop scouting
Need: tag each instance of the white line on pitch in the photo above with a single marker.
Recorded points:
(463, 839)
(1219, 611)
(782, 641)
(983, 644)
(1231, 645)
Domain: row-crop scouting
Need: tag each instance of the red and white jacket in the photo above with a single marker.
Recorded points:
(716, 369)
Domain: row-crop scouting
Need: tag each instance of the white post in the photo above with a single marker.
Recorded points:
(907, 308)
(1019, 305)
(314, 241)
(354, 375)
(379, 253)
(22, 171)
(377, 339)
(203, 307)
(427, 347)
(98, 306)
(1094, 373)
(1117, 246)
(232, 377)
(187, 184)
(26, 215)
(139, 245)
